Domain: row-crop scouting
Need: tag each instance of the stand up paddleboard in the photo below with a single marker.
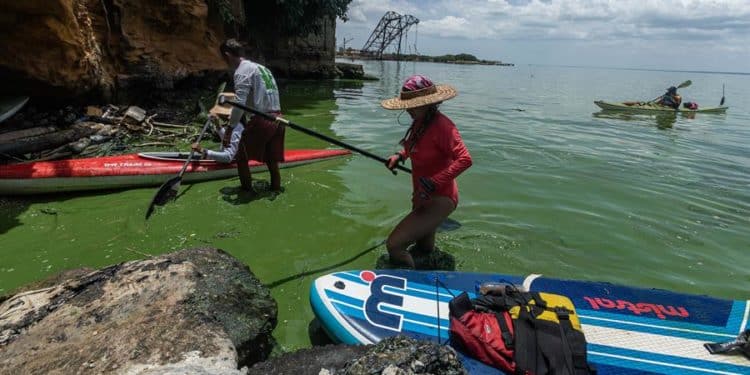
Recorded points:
(629, 330)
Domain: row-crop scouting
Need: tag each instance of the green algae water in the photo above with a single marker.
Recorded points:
(557, 187)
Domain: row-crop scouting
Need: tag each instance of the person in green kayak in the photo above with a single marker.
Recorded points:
(671, 98)
(438, 156)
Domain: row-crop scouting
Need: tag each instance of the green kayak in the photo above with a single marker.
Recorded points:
(646, 107)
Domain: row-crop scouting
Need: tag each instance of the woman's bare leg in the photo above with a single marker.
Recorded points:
(420, 224)
(426, 244)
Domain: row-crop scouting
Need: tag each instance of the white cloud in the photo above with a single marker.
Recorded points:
(451, 26)
(370, 11)
(559, 19)
(447, 26)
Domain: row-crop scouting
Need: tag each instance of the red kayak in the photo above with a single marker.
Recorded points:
(127, 171)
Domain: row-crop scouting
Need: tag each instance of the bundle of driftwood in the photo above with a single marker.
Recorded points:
(97, 132)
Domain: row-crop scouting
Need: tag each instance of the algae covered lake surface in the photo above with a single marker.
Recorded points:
(557, 187)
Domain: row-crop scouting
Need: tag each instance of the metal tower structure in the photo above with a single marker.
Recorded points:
(391, 27)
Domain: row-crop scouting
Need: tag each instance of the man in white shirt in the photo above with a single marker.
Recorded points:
(256, 139)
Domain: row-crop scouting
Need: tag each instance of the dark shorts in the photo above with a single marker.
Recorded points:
(262, 141)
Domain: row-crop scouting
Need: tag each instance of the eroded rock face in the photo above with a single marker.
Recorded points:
(98, 51)
(198, 309)
(308, 56)
(93, 47)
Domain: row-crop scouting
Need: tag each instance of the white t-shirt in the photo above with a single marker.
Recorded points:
(255, 86)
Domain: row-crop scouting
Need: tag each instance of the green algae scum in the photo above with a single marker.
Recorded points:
(557, 188)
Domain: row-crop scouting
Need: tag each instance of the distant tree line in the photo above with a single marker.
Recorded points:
(461, 58)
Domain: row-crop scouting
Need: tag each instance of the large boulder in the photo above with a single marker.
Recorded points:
(193, 311)
(310, 361)
(398, 355)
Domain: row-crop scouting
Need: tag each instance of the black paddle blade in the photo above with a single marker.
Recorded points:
(167, 192)
(722, 101)
(685, 84)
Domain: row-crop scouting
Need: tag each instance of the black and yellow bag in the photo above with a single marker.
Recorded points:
(520, 332)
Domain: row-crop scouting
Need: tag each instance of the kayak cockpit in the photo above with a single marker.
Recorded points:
(172, 156)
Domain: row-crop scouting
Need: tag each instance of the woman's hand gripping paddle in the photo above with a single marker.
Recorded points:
(168, 191)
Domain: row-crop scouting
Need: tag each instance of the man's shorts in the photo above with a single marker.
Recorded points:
(262, 140)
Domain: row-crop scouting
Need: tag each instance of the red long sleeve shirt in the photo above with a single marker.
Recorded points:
(440, 155)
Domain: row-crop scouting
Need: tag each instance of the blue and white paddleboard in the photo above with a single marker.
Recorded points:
(629, 330)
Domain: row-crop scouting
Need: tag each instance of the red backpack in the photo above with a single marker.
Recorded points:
(520, 332)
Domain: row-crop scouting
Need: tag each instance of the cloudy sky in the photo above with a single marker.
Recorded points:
(660, 34)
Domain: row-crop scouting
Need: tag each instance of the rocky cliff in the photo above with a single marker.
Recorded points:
(105, 50)
(310, 56)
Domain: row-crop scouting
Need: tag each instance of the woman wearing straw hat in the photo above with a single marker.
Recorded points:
(438, 156)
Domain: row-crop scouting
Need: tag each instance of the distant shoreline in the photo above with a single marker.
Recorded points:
(461, 59)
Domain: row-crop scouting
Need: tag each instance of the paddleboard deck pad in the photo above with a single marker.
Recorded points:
(628, 330)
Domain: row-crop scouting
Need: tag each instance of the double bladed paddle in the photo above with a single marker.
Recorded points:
(223, 100)
(447, 225)
(681, 86)
(168, 191)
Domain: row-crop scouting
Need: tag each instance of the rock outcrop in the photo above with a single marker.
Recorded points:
(100, 51)
(310, 361)
(311, 56)
(434, 260)
(95, 47)
(350, 71)
(194, 311)
(398, 355)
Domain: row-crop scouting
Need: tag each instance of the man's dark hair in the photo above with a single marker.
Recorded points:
(232, 47)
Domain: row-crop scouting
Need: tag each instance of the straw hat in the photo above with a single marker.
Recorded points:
(419, 91)
(223, 110)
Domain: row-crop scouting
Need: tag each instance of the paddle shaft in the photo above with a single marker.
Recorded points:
(192, 152)
(315, 134)
(681, 86)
